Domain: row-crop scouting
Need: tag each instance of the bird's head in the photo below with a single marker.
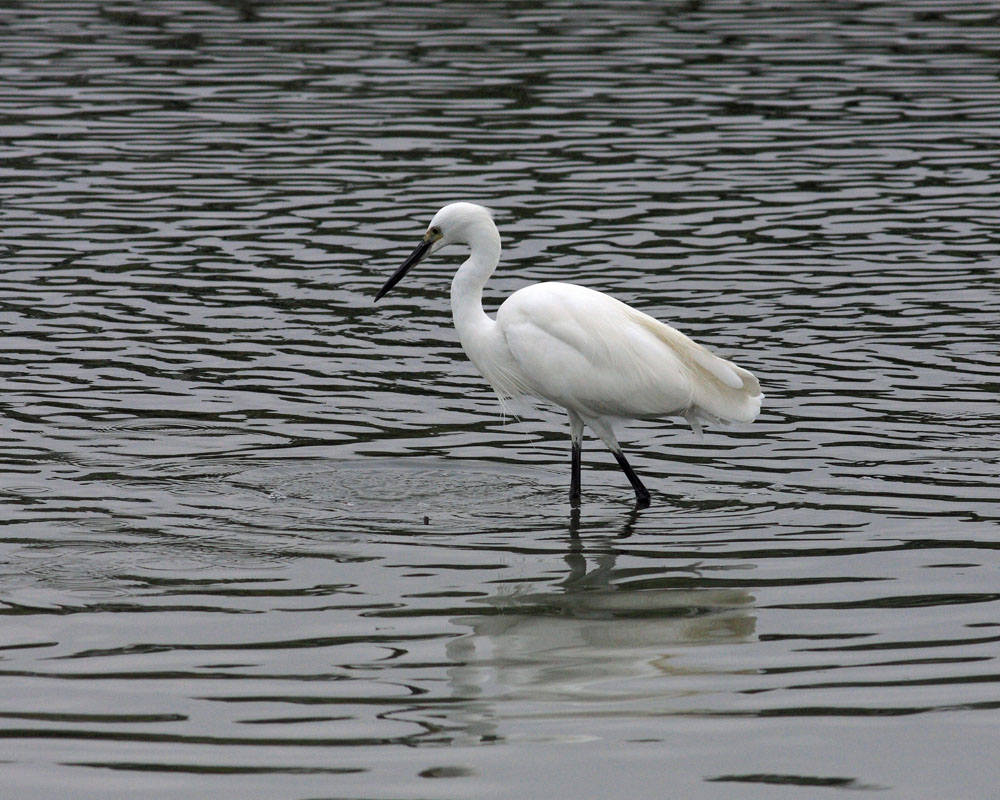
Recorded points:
(456, 223)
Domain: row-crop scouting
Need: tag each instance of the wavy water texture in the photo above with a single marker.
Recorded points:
(260, 538)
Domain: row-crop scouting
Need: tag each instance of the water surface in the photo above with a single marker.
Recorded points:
(263, 539)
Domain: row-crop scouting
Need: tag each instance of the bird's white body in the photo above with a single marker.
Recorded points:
(590, 353)
(580, 349)
(584, 350)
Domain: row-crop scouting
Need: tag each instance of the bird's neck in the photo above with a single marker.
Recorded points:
(471, 321)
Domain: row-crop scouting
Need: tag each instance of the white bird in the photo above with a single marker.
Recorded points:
(598, 358)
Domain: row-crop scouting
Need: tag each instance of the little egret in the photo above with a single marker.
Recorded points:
(598, 358)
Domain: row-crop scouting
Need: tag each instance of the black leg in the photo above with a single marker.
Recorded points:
(574, 478)
(641, 492)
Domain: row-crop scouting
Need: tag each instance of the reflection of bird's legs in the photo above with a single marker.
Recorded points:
(629, 527)
(603, 429)
(576, 442)
(574, 528)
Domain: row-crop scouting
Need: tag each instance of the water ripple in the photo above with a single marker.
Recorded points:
(246, 510)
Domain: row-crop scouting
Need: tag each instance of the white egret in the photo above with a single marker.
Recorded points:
(598, 358)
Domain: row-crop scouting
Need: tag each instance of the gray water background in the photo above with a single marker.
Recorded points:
(263, 539)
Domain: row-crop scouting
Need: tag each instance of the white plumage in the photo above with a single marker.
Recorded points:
(580, 349)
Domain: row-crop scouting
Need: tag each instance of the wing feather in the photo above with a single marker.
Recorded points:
(587, 351)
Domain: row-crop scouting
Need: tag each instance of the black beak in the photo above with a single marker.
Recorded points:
(410, 263)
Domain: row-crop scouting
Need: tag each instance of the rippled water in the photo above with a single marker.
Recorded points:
(263, 539)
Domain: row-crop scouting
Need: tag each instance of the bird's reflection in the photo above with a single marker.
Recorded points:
(628, 528)
(602, 631)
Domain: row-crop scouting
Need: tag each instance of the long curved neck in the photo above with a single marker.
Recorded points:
(467, 286)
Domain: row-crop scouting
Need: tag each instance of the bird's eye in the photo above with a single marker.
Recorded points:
(435, 231)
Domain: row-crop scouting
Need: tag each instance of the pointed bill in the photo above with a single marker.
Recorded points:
(415, 257)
